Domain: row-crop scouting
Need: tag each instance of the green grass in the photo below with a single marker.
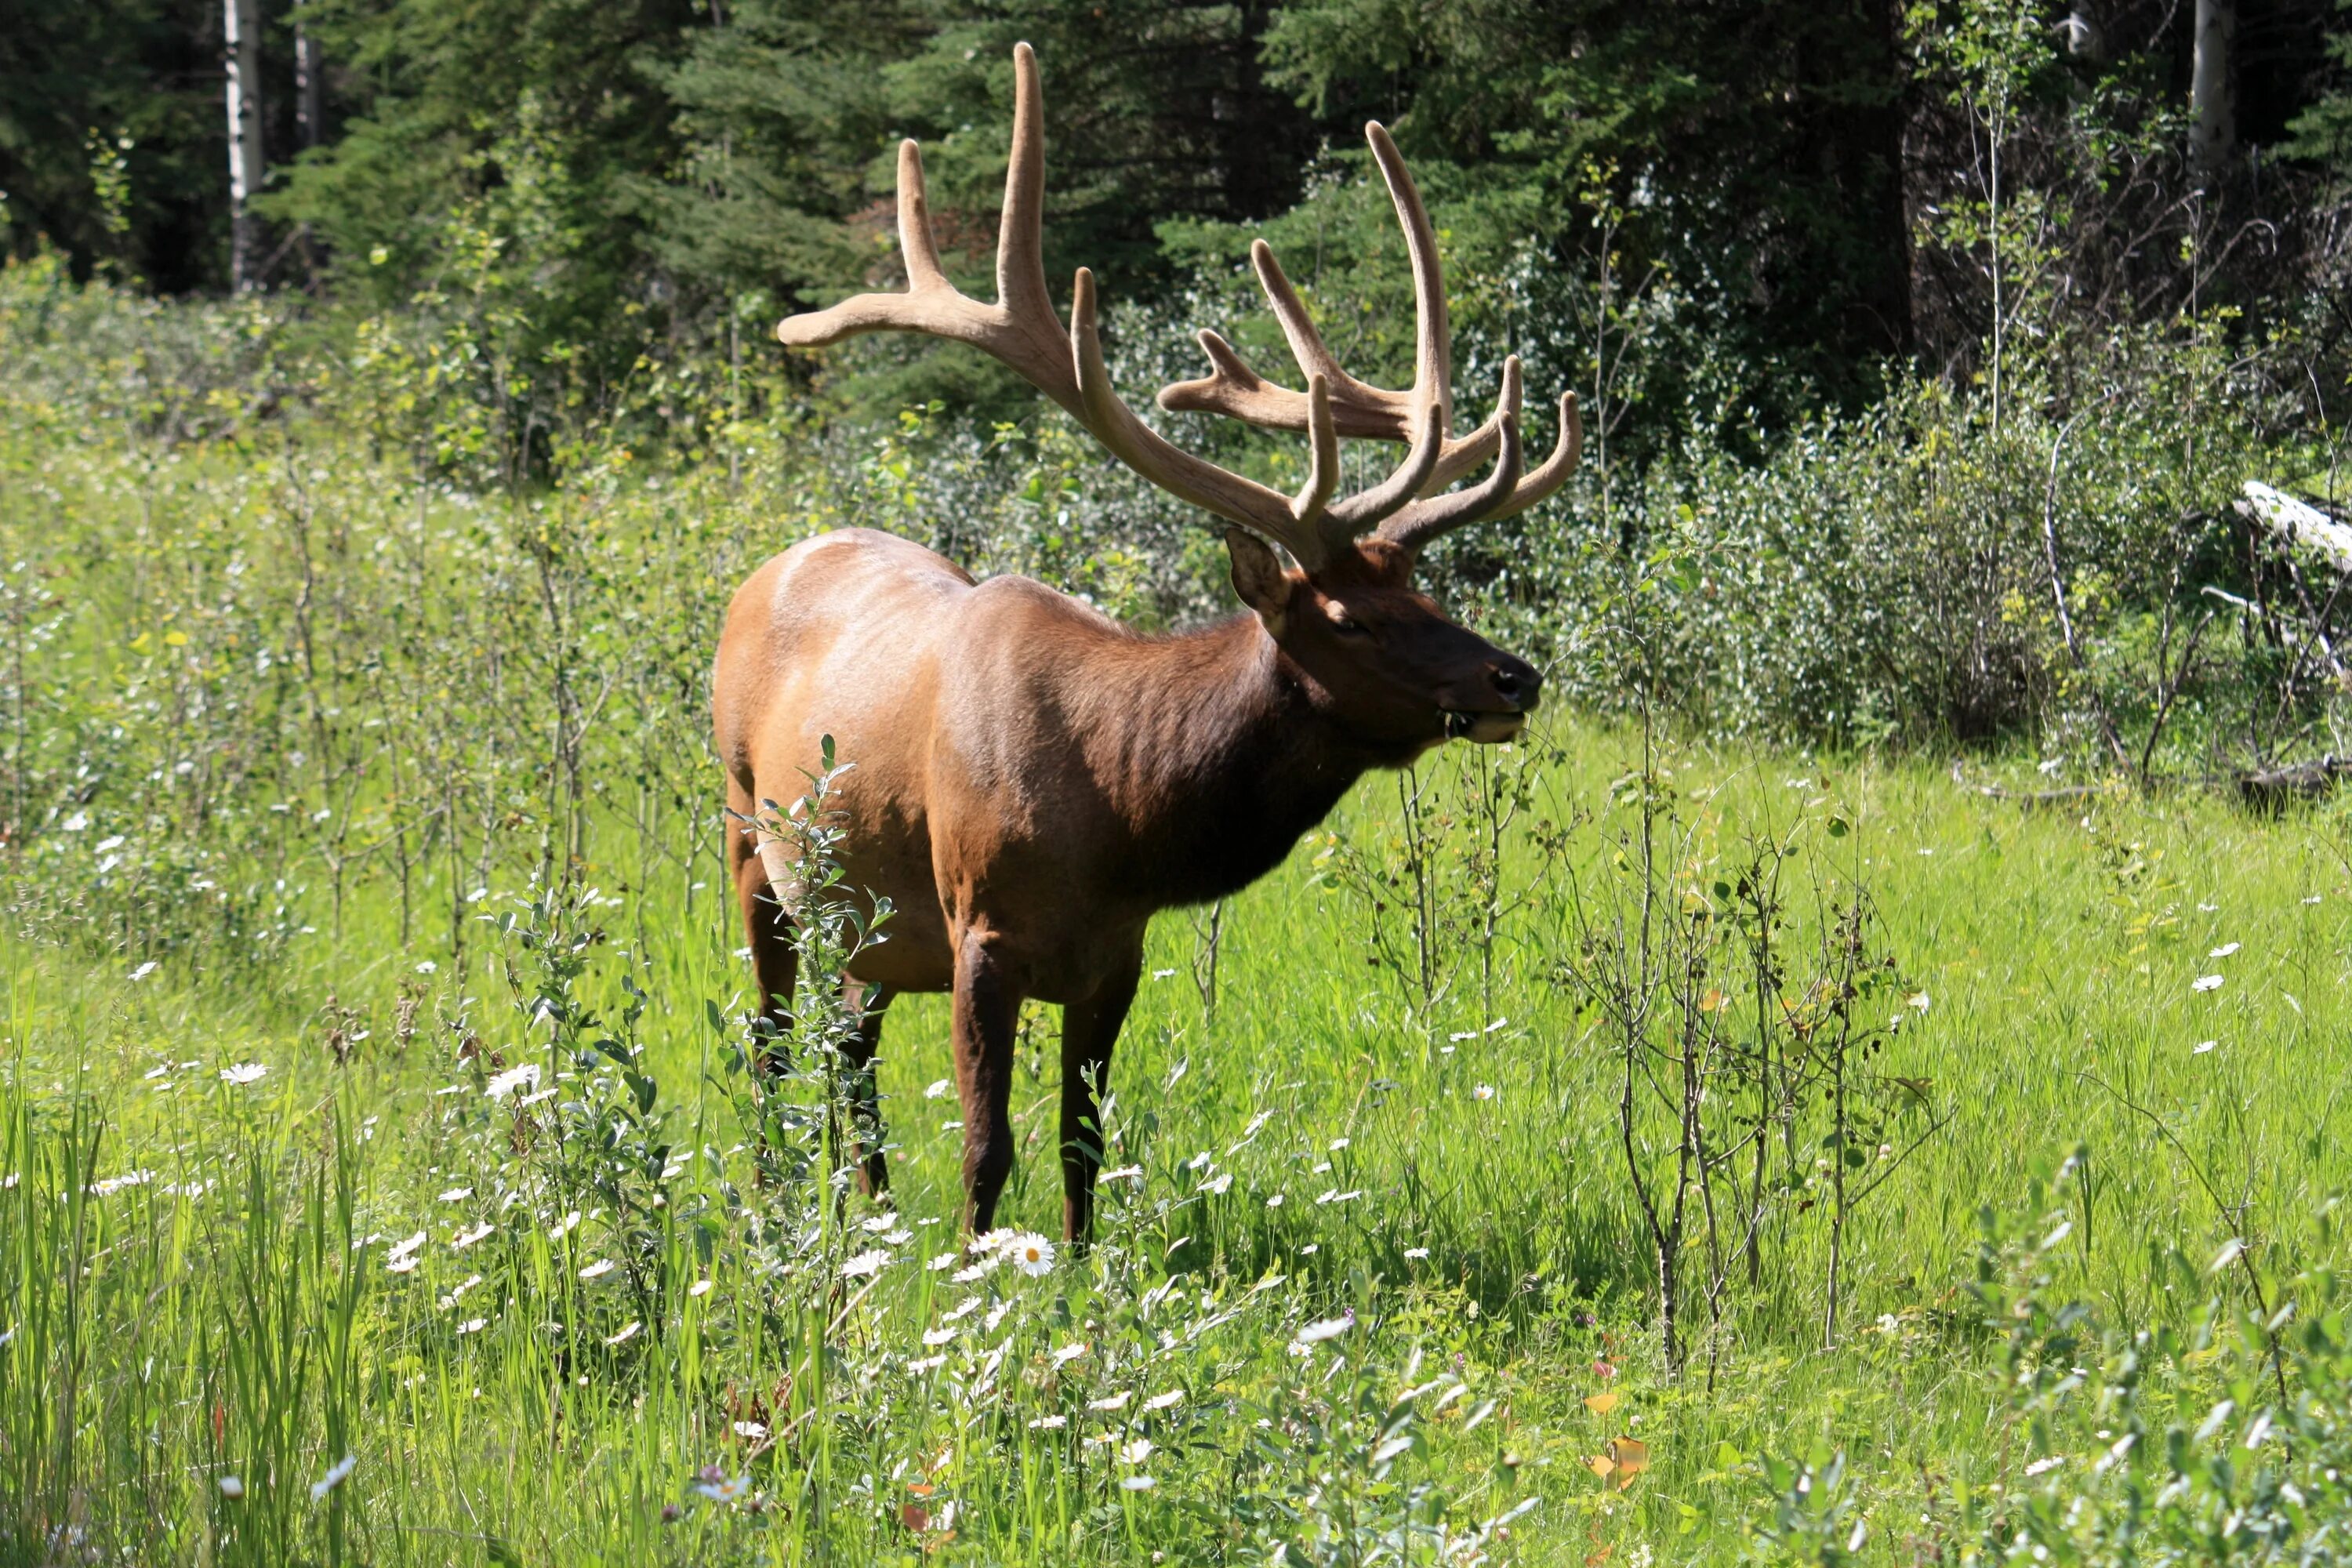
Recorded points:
(162, 1337)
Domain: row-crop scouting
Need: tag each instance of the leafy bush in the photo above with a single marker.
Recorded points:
(1890, 577)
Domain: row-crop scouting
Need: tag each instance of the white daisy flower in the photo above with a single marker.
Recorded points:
(245, 1072)
(1115, 1402)
(866, 1264)
(598, 1269)
(1328, 1329)
(513, 1079)
(1032, 1254)
(2206, 982)
(231, 1488)
(1168, 1401)
(334, 1477)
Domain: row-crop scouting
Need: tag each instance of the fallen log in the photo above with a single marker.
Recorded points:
(2296, 522)
(2269, 789)
(2038, 799)
(2265, 789)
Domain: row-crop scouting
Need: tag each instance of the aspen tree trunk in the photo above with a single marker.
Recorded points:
(2212, 88)
(309, 95)
(243, 32)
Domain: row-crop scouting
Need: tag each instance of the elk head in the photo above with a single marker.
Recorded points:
(1380, 657)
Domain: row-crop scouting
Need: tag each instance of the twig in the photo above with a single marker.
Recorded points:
(2058, 585)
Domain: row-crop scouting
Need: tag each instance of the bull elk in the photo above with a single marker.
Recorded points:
(1031, 781)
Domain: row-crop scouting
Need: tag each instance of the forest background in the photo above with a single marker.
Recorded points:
(1771, 245)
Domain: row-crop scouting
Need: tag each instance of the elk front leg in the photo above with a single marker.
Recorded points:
(987, 1012)
(1089, 1029)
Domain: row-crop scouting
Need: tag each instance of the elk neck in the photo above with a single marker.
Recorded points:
(1216, 756)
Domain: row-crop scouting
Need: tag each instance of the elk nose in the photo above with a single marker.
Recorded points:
(1516, 682)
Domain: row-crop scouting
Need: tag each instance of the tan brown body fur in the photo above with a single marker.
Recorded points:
(1030, 782)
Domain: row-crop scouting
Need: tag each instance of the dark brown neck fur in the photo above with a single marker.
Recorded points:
(1220, 757)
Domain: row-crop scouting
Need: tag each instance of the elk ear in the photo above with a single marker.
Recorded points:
(1258, 578)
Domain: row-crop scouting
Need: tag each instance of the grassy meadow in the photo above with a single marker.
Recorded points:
(381, 1180)
(197, 1281)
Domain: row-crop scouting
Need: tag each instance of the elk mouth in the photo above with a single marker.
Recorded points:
(1483, 729)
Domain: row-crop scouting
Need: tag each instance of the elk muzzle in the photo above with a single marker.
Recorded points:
(1514, 690)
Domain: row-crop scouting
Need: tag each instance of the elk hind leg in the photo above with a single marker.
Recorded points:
(986, 1013)
(1089, 1029)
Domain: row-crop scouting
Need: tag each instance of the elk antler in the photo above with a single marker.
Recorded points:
(1022, 330)
(1359, 409)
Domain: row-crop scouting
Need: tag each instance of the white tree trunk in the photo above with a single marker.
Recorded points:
(2212, 86)
(243, 32)
(310, 93)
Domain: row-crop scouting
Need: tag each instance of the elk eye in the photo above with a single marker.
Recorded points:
(1346, 625)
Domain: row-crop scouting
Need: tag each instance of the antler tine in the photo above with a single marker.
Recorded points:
(1432, 354)
(1423, 520)
(1288, 521)
(918, 245)
(1566, 449)
(1371, 411)
(1021, 329)
(1020, 231)
(1359, 511)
